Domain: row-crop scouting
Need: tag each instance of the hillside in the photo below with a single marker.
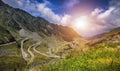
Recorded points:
(29, 43)
(5, 36)
(26, 40)
(112, 36)
(101, 54)
(15, 19)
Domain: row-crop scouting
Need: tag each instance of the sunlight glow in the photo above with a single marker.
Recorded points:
(82, 23)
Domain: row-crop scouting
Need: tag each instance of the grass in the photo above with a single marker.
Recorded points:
(104, 58)
(10, 58)
(101, 57)
(26, 46)
(43, 47)
(5, 36)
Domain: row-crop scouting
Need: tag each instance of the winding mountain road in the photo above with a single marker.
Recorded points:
(51, 55)
(30, 52)
(40, 52)
(7, 43)
(24, 54)
(34, 46)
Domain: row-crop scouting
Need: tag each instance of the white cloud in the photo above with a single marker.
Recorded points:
(108, 19)
(13, 3)
(40, 9)
(106, 13)
(66, 20)
(96, 12)
(48, 13)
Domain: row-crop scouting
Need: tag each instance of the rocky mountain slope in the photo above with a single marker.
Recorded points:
(14, 20)
(27, 40)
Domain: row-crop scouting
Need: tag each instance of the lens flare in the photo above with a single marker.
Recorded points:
(81, 23)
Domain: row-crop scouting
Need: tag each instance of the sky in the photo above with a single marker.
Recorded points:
(87, 17)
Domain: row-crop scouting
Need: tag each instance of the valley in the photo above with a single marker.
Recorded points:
(29, 43)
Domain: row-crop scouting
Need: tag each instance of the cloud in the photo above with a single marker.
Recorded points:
(106, 13)
(115, 3)
(111, 17)
(114, 17)
(71, 3)
(108, 19)
(66, 20)
(48, 13)
(96, 12)
(102, 21)
(13, 3)
(39, 9)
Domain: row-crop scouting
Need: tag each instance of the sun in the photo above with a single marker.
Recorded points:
(81, 23)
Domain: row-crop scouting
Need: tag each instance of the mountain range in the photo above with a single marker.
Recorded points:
(13, 20)
(17, 26)
(21, 35)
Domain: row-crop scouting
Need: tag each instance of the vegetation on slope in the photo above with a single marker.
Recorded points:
(103, 55)
(5, 36)
(78, 56)
(10, 58)
(16, 19)
(113, 35)
(99, 58)
(11, 22)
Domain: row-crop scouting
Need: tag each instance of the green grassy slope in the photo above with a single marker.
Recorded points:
(10, 58)
(5, 36)
(103, 55)
(99, 58)
(11, 22)
(78, 57)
